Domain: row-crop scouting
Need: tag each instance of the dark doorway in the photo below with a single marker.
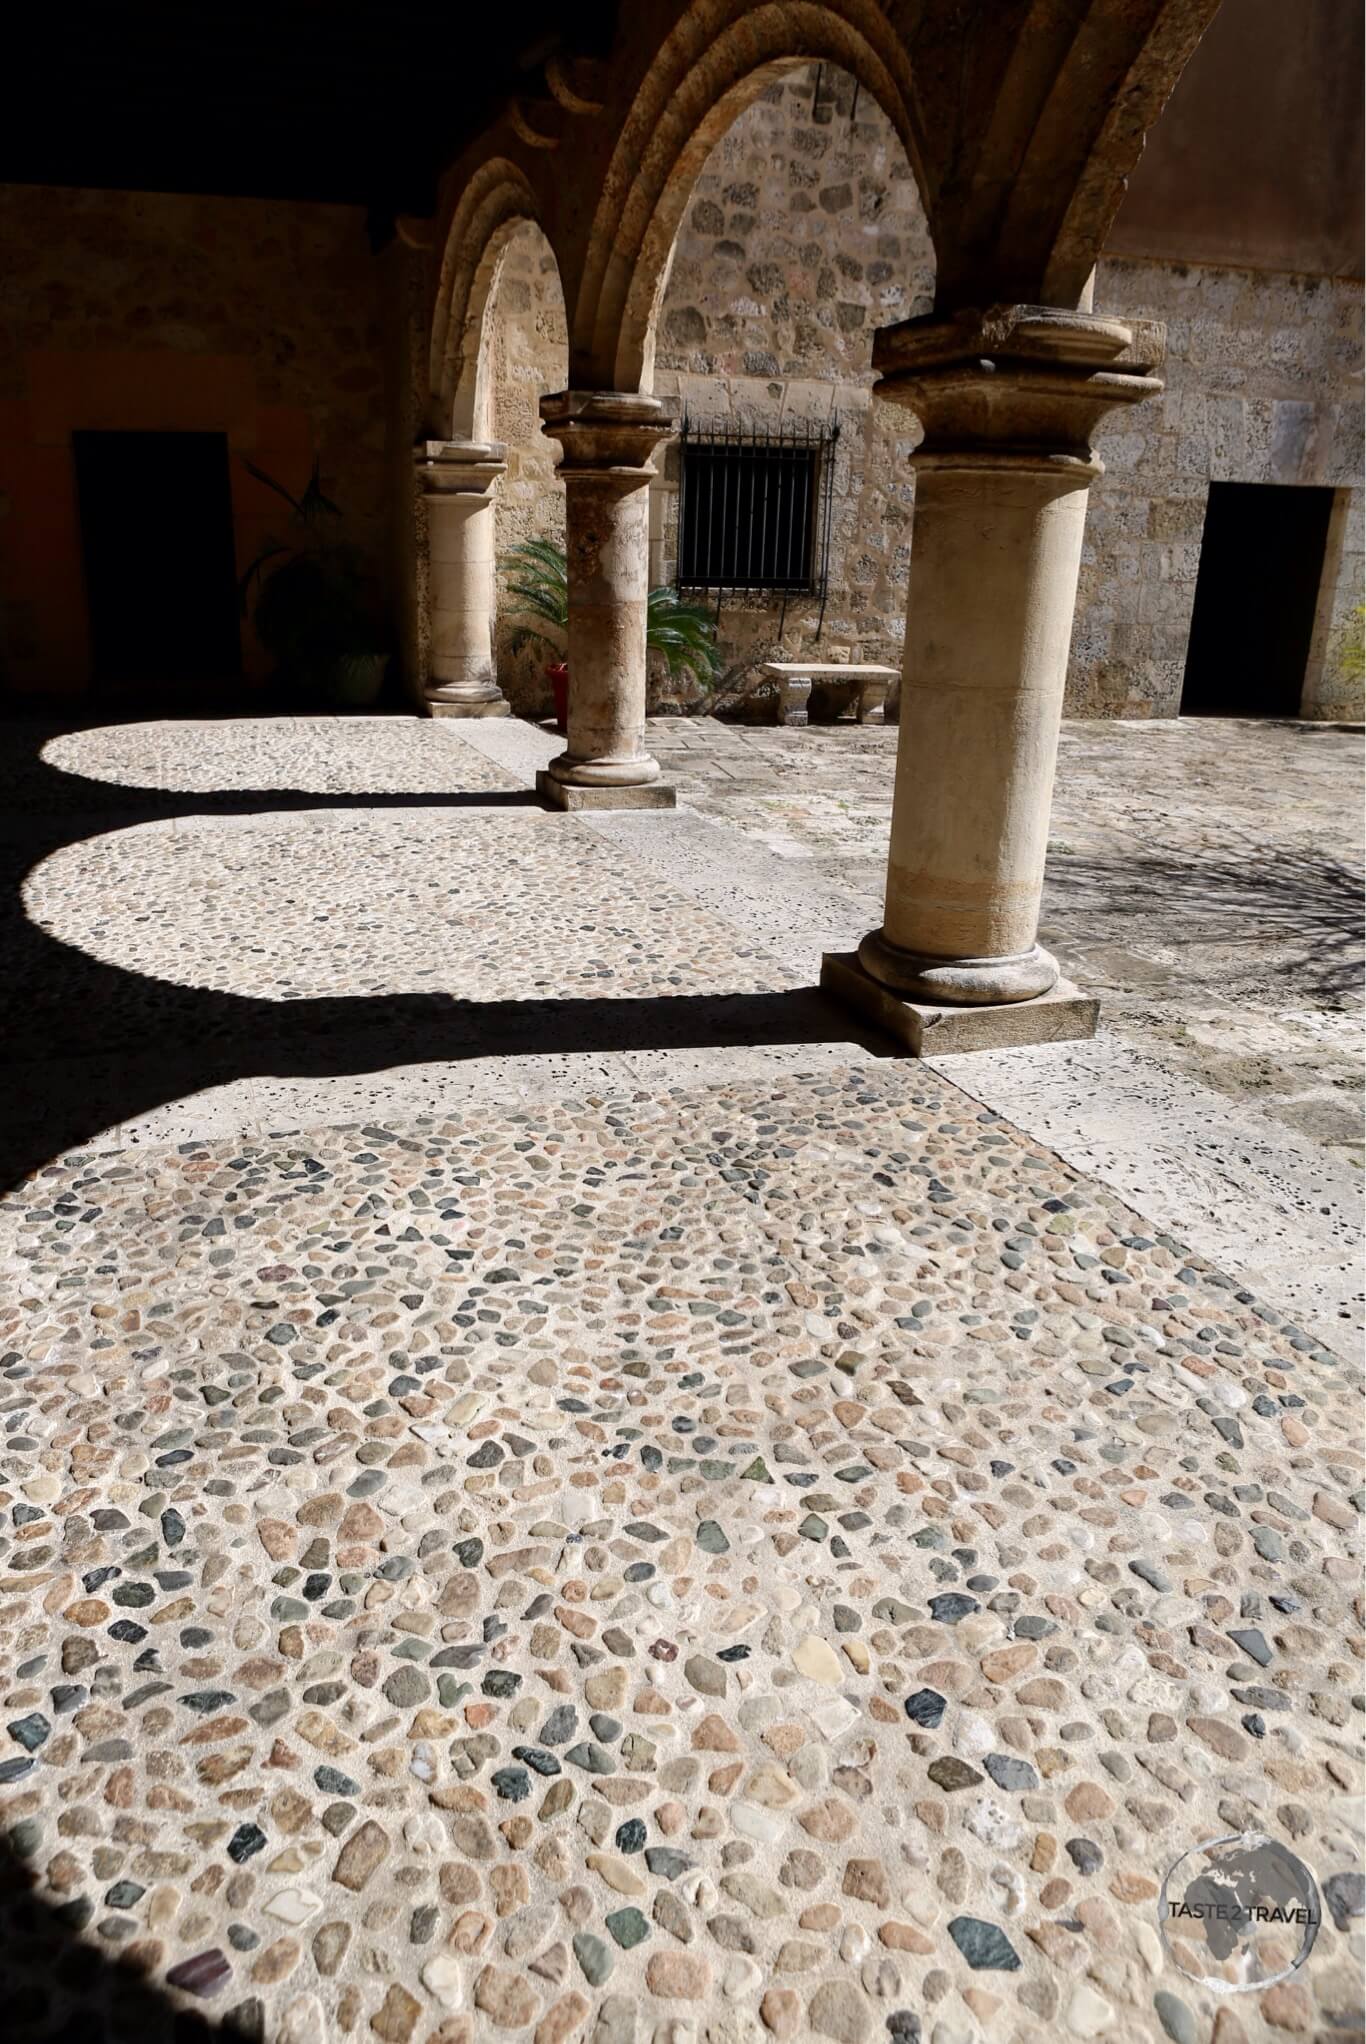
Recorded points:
(160, 567)
(1261, 563)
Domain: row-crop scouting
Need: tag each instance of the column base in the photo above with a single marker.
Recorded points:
(480, 698)
(932, 1028)
(958, 982)
(498, 708)
(574, 795)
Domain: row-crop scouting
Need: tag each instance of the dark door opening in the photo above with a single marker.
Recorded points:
(1261, 563)
(160, 566)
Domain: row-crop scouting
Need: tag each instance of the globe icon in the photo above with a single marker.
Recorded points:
(1239, 1913)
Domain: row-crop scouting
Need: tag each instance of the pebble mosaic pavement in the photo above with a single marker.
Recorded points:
(684, 1565)
(344, 906)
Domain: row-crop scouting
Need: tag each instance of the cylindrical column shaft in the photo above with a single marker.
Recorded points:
(607, 439)
(993, 582)
(1009, 401)
(458, 480)
(607, 560)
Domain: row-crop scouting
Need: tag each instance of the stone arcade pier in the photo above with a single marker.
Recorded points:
(457, 480)
(608, 438)
(1021, 165)
(1009, 402)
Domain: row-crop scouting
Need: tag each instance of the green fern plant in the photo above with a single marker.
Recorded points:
(683, 633)
(537, 576)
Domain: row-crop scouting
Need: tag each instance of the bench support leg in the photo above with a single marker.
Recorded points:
(794, 699)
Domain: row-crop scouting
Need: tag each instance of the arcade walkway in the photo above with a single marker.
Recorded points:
(549, 1492)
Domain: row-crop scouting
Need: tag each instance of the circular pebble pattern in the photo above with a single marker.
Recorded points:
(780, 1560)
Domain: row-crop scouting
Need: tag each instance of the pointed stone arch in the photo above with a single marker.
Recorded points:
(497, 200)
(1142, 90)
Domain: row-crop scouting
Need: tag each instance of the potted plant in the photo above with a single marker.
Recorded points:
(682, 632)
(317, 612)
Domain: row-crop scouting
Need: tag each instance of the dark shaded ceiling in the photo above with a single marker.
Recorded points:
(358, 102)
(1257, 160)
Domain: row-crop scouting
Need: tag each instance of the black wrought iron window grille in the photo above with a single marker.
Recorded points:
(754, 508)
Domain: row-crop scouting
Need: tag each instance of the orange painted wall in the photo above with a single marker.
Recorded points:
(133, 312)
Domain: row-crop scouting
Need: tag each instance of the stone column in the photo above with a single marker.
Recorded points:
(608, 438)
(457, 478)
(1009, 401)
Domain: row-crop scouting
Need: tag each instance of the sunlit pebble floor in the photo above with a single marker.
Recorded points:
(780, 1560)
(405, 919)
(136, 765)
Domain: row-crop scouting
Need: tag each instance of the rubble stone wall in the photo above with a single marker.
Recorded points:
(806, 232)
(1263, 385)
(528, 345)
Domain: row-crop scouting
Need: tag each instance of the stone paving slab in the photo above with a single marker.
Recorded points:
(783, 1558)
(1204, 879)
(1179, 1065)
(1225, 1103)
(1265, 1200)
(1270, 1206)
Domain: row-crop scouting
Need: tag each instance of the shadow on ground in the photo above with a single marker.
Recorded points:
(56, 1988)
(1291, 923)
(137, 1043)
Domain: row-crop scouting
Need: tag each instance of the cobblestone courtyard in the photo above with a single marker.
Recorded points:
(551, 1490)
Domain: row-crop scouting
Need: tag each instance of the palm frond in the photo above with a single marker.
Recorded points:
(293, 502)
(269, 552)
(683, 633)
(313, 501)
(539, 560)
(527, 635)
(547, 551)
(538, 579)
(542, 602)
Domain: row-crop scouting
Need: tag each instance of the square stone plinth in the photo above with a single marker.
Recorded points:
(495, 709)
(568, 795)
(926, 1028)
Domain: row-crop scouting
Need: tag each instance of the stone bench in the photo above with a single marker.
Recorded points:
(844, 684)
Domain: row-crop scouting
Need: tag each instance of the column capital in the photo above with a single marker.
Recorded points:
(1016, 383)
(459, 468)
(607, 432)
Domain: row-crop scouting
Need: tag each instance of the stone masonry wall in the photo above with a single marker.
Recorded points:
(806, 231)
(529, 355)
(257, 318)
(804, 234)
(1263, 385)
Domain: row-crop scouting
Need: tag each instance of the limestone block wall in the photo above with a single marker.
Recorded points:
(1263, 385)
(1333, 689)
(155, 312)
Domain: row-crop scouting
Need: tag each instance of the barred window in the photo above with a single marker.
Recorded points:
(754, 507)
